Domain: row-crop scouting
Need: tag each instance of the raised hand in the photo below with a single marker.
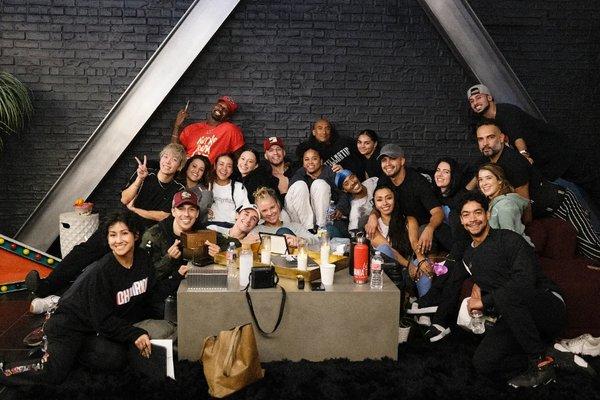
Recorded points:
(174, 252)
(142, 169)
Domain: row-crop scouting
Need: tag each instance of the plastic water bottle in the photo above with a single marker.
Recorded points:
(330, 213)
(376, 271)
(232, 272)
(246, 262)
(171, 309)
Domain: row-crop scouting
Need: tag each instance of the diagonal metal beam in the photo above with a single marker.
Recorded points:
(129, 114)
(473, 46)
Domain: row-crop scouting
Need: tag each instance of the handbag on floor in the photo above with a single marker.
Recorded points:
(230, 361)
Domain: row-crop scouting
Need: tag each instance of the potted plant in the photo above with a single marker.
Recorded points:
(15, 105)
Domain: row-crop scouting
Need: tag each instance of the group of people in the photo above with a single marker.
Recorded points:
(208, 178)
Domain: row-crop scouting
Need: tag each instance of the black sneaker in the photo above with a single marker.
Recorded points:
(539, 373)
(32, 281)
(436, 332)
(564, 359)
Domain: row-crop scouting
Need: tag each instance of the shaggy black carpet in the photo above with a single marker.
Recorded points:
(441, 370)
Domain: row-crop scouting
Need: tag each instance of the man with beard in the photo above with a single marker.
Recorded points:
(280, 169)
(509, 284)
(212, 137)
(336, 151)
(414, 197)
(540, 143)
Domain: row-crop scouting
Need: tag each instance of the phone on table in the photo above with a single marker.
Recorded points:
(317, 286)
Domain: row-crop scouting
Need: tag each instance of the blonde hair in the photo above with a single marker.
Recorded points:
(498, 172)
(176, 149)
(265, 192)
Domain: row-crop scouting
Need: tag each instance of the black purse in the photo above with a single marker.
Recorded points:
(264, 278)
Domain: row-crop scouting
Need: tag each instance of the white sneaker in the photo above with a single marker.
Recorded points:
(584, 344)
(415, 309)
(42, 305)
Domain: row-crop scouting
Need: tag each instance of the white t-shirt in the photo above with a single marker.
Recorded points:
(224, 205)
(383, 228)
(361, 208)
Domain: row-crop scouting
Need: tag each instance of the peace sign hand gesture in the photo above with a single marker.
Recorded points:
(142, 169)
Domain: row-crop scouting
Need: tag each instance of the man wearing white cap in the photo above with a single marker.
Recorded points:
(539, 142)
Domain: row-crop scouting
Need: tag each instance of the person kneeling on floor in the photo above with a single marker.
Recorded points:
(510, 284)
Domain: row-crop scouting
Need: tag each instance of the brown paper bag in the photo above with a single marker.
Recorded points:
(230, 361)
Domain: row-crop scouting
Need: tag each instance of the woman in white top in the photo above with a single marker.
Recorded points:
(270, 210)
(228, 195)
(362, 196)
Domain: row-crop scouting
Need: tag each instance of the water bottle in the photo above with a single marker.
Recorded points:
(171, 309)
(376, 271)
(330, 212)
(232, 272)
(246, 262)
(325, 248)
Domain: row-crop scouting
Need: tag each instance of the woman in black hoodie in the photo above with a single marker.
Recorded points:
(105, 301)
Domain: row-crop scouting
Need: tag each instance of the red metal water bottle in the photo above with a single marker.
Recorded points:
(361, 261)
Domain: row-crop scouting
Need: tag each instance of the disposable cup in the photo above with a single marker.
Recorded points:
(327, 272)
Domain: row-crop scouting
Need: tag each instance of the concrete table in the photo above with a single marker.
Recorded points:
(345, 321)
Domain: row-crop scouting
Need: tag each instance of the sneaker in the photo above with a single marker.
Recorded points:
(564, 359)
(541, 372)
(436, 332)
(584, 344)
(35, 337)
(42, 305)
(32, 280)
(423, 320)
(414, 309)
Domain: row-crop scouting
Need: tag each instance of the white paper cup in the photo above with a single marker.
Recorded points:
(327, 272)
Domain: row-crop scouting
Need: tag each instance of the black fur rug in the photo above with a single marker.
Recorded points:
(441, 370)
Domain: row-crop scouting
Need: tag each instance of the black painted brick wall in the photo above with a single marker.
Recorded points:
(377, 64)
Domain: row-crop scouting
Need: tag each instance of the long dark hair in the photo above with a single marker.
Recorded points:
(398, 231)
(456, 177)
(207, 169)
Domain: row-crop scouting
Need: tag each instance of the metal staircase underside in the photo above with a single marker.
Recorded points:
(454, 19)
(123, 122)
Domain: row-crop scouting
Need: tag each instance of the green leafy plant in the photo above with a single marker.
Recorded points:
(15, 105)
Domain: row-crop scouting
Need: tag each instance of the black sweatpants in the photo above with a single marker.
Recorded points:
(71, 266)
(528, 324)
(67, 345)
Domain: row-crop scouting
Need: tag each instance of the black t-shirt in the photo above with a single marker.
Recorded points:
(154, 195)
(366, 167)
(545, 196)
(414, 196)
(516, 167)
(339, 150)
(550, 151)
